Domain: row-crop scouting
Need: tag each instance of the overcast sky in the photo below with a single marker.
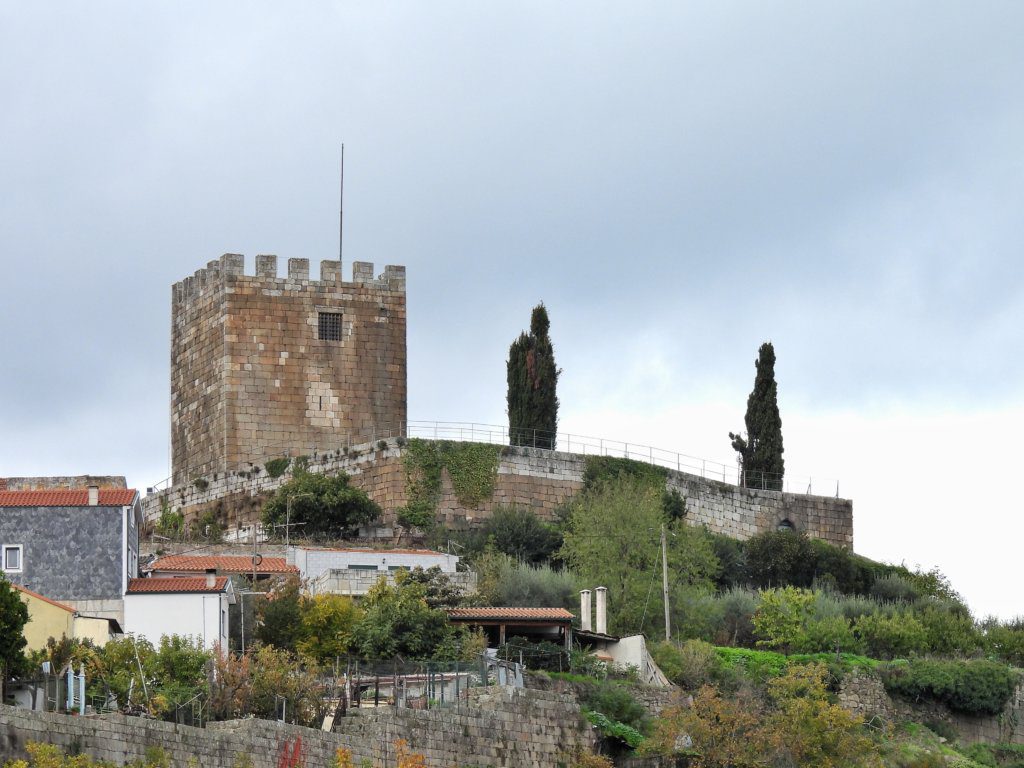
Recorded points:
(678, 182)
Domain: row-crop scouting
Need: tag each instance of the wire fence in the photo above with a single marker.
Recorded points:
(567, 442)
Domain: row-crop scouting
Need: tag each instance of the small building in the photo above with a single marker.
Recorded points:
(629, 651)
(78, 546)
(354, 571)
(48, 618)
(173, 566)
(187, 605)
(535, 624)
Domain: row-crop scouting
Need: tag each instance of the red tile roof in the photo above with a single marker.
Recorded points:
(510, 614)
(45, 599)
(221, 563)
(78, 497)
(173, 584)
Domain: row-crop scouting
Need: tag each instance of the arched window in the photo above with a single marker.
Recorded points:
(785, 525)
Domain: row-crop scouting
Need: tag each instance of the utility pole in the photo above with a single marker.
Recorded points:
(664, 580)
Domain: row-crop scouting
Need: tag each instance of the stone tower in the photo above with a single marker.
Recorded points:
(265, 366)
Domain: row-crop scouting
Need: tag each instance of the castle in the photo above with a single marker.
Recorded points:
(264, 366)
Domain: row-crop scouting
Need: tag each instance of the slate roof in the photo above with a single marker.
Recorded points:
(78, 497)
(222, 564)
(175, 584)
(510, 614)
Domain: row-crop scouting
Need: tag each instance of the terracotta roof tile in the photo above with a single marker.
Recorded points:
(78, 497)
(221, 563)
(173, 584)
(511, 614)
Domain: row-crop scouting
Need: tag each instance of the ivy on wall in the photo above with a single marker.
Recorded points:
(472, 468)
(605, 469)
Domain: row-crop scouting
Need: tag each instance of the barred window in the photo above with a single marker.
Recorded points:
(329, 327)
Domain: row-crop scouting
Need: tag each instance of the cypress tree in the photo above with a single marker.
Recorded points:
(761, 450)
(532, 380)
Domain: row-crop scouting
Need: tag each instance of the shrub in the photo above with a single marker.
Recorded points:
(947, 630)
(277, 467)
(517, 532)
(737, 611)
(690, 666)
(628, 735)
(894, 588)
(888, 637)
(615, 702)
(1005, 641)
(978, 687)
(731, 556)
(780, 620)
(324, 505)
(832, 633)
(418, 514)
(780, 558)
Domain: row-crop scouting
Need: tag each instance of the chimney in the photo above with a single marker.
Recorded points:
(94, 495)
(602, 610)
(211, 578)
(585, 610)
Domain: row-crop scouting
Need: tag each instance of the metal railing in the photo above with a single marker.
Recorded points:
(566, 442)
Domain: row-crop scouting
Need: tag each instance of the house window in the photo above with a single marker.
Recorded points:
(329, 326)
(362, 567)
(12, 558)
(398, 568)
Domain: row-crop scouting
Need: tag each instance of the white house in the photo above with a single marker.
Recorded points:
(193, 606)
(354, 571)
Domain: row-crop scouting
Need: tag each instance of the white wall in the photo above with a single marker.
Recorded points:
(314, 562)
(152, 615)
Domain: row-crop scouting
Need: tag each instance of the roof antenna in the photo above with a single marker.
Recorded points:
(341, 209)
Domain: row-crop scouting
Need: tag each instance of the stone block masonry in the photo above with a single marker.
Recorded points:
(531, 477)
(494, 727)
(262, 364)
(863, 693)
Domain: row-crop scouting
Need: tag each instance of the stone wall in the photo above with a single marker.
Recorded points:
(495, 727)
(531, 477)
(251, 371)
(863, 693)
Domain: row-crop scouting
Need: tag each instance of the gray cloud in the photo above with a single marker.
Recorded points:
(845, 180)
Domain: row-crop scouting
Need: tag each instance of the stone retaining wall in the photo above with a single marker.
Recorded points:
(530, 477)
(863, 693)
(496, 727)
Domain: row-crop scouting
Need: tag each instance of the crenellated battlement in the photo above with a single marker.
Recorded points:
(265, 362)
(231, 267)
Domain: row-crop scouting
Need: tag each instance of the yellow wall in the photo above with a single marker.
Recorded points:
(45, 620)
(96, 630)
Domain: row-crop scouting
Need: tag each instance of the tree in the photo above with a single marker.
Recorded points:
(518, 532)
(761, 450)
(322, 505)
(612, 539)
(398, 622)
(13, 618)
(532, 381)
(279, 615)
(781, 619)
(327, 625)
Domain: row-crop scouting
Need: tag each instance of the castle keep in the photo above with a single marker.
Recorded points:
(263, 366)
